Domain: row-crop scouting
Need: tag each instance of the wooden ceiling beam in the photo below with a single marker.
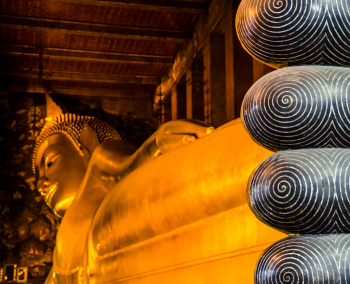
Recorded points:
(97, 30)
(79, 55)
(189, 6)
(82, 77)
(28, 88)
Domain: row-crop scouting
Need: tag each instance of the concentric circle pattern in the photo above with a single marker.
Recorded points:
(321, 259)
(300, 107)
(284, 33)
(303, 191)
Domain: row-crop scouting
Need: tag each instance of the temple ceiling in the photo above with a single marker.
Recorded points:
(93, 47)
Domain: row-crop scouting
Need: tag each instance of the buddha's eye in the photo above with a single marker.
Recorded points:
(50, 161)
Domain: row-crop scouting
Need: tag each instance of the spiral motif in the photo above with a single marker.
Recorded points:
(284, 33)
(321, 259)
(303, 191)
(300, 107)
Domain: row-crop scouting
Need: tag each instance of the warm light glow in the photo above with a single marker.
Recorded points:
(180, 218)
(157, 153)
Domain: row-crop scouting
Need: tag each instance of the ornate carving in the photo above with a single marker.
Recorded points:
(307, 190)
(303, 191)
(283, 33)
(300, 107)
(306, 259)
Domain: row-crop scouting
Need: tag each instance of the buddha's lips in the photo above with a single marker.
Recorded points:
(50, 193)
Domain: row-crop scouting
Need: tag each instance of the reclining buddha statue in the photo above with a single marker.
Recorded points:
(172, 211)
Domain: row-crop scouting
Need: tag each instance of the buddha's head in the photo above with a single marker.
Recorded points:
(62, 154)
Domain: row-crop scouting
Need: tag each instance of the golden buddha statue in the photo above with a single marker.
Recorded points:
(158, 214)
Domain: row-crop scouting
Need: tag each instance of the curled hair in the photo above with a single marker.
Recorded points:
(71, 125)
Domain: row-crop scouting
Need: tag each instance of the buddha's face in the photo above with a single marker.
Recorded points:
(61, 170)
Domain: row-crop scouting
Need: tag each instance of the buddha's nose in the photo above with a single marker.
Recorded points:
(42, 185)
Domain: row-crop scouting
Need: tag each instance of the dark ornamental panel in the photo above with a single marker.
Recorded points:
(283, 33)
(303, 191)
(300, 107)
(321, 259)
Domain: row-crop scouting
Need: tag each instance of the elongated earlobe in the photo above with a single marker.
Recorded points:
(89, 141)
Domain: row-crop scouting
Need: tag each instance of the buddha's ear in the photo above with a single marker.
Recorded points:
(89, 141)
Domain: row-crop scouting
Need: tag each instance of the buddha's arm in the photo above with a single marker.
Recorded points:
(114, 160)
(170, 135)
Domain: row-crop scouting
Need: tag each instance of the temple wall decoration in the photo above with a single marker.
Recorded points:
(27, 226)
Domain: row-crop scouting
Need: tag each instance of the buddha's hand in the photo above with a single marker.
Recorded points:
(173, 134)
